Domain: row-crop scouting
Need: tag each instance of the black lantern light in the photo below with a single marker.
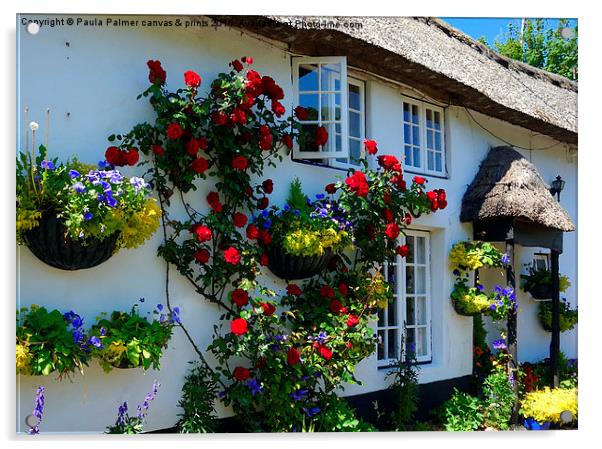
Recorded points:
(557, 187)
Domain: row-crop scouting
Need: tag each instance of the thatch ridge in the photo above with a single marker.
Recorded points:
(509, 186)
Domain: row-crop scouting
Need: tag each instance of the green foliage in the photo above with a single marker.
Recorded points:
(568, 317)
(92, 203)
(198, 393)
(129, 340)
(542, 46)
(297, 199)
(45, 344)
(339, 416)
(499, 399)
(405, 391)
(462, 412)
(543, 277)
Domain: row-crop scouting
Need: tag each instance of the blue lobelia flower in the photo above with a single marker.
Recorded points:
(267, 224)
(299, 394)
(48, 165)
(254, 386)
(79, 187)
(160, 307)
(505, 259)
(287, 207)
(111, 202)
(499, 344)
(312, 411)
(492, 307)
(74, 174)
(480, 287)
(102, 164)
(103, 331)
(95, 341)
(88, 216)
(320, 196)
(265, 214)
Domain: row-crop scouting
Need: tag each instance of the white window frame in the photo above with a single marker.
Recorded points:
(401, 304)
(541, 256)
(361, 84)
(342, 60)
(422, 107)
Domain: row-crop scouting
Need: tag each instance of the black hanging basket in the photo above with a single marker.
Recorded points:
(461, 311)
(289, 267)
(541, 291)
(50, 243)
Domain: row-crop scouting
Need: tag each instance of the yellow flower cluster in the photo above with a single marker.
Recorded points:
(141, 225)
(547, 405)
(27, 219)
(460, 256)
(23, 358)
(303, 242)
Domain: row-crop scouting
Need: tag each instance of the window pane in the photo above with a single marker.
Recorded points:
(354, 150)
(416, 152)
(308, 77)
(410, 243)
(337, 142)
(354, 124)
(406, 112)
(392, 343)
(307, 142)
(392, 278)
(438, 166)
(354, 97)
(310, 102)
(420, 250)
(330, 76)
(408, 154)
(392, 314)
(421, 344)
(420, 309)
(407, 134)
(415, 135)
(381, 345)
(410, 310)
(420, 276)
(429, 118)
(410, 340)
(429, 139)
(410, 280)
(437, 120)
(329, 111)
(430, 160)
(415, 117)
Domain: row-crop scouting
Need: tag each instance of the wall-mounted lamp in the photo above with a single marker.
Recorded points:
(557, 187)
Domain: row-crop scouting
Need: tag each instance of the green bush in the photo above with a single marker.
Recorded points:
(499, 398)
(405, 390)
(198, 393)
(462, 412)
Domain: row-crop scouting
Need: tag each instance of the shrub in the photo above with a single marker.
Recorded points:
(568, 317)
(198, 393)
(405, 390)
(499, 399)
(462, 412)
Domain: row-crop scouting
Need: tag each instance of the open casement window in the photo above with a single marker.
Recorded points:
(407, 319)
(423, 137)
(318, 88)
(356, 117)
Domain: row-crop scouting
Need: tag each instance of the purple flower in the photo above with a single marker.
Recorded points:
(505, 259)
(492, 307)
(38, 410)
(102, 164)
(267, 224)
(137, 183)
(103, 331)
(254, 386)
(95, 341)
(456, 272)
(88, 216)
(299, 394)
(499, 344)
(79, 187)
(480, 287)
(312, 411)
(48, 165)
(74, 174)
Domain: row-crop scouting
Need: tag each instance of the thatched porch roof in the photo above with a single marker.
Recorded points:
(509, 186)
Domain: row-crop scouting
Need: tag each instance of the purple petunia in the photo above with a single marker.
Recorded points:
(254, 386)
(499, 344)
(48, 165)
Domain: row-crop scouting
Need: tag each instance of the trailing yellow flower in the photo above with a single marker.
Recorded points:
(302, 242)
(23, 358)
(27, 219)
(141, 226)
(547, 405)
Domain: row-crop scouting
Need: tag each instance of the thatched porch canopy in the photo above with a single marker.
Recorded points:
(509, 195)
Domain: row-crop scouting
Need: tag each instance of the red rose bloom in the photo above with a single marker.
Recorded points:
(325, 352)
(247, 60)
(219, 118)
(389, 163)
(265, 138)
(113, 156)
(387, 197)
(301, 113)
(174, 131)
(241, 373)
(240, 297)
(268, 186)
(158, 150)
(237, 65)
(293, 356)
(370, 146)
(419, 180)
(352, 320)
(265, 237)
(201, 256)
(192, 79)
(252, 232)
(287, 140)
(330, 188)
(320, 136)
(357, 184)
(349, 345)
(335, 306)
(263, 203)
(402, 250)
(326, 291)
(200, 165)
(240, 162)
(442, 204)
(278, 108)
(293, 289)
(192, 147)
(203, 143)
(264, 260)
(156, 74)
(239, 326)
(238, 116)
(213, 200)
(203, 233)
(132, 156)
(388, 215)
(232, 256)
(408, 219)
(392, 231)
(239, 219)
(343, 289)
(268, 308)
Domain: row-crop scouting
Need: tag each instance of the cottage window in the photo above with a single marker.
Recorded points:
(407, 320)
(423, 137)
(318, 88)
(357, 130)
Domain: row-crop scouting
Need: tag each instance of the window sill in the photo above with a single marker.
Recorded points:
(319, 164)
(430, 175)
(394, 365)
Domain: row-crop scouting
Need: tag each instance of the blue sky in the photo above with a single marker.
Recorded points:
(491, 28)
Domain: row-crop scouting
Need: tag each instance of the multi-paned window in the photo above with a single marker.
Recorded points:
(318, 88)
(423, 137)
(356, 120)
(406, 322)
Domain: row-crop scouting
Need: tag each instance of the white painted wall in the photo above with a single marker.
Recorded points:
(90, 77)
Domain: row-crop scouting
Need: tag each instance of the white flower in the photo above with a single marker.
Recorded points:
(33, 126)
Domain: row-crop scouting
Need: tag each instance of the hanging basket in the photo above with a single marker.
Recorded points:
(460, 311)
(541, 291)
(289, 267)
(50, 243)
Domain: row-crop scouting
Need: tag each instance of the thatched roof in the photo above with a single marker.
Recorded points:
(441, 61)
(509, 186)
